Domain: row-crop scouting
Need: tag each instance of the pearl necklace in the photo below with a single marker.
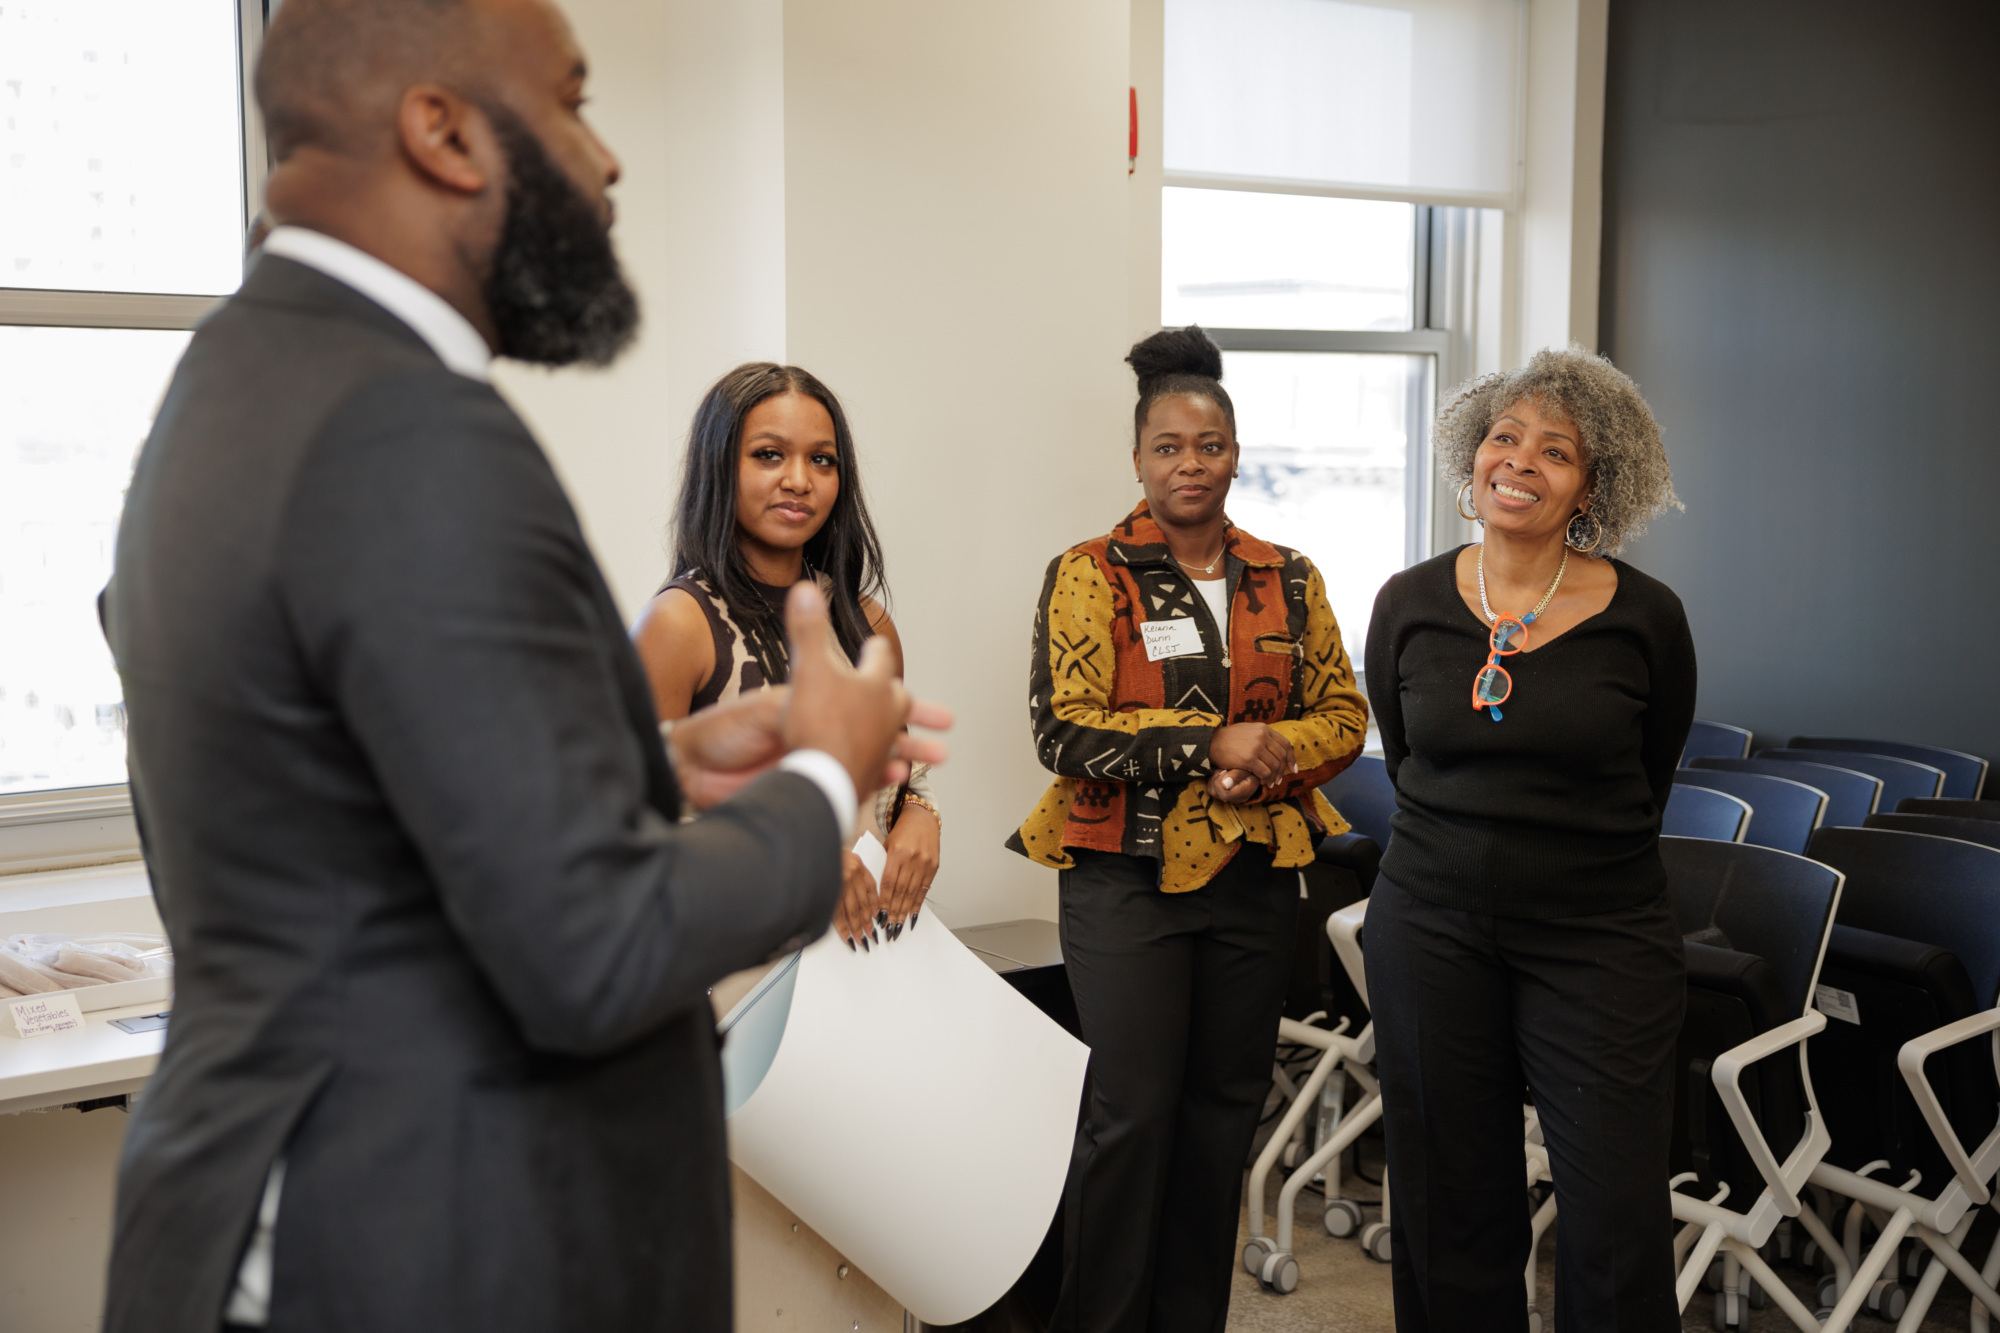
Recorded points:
(1540, 606)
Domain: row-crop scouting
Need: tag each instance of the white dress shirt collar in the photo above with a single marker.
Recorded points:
(449, 333)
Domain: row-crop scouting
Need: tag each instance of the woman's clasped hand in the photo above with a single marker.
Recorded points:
(1247, 757)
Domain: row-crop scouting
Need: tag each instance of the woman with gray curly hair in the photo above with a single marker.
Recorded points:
(1533, 695)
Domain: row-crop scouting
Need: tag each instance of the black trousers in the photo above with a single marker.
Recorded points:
(1179, 995)
(1585, 1011)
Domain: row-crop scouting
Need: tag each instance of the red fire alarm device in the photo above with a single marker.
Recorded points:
(1132, 138)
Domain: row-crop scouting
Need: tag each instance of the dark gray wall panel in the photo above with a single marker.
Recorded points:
(1802, 271)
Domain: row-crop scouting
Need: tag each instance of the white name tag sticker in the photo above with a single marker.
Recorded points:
(1837, 1003)
(1171, 638)
(45, 1015)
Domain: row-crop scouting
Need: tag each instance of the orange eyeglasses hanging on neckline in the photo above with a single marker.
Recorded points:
(1492, 685)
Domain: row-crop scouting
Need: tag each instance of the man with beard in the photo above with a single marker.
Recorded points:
(440, 1056)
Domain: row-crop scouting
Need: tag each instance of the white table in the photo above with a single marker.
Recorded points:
(100, 1060)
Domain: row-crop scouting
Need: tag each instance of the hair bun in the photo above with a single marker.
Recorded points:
(1186, 351)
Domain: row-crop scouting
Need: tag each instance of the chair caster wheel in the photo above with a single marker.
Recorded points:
(1824, 1313)
(1343, 1218)
(1754, 1292)
(1280, 1274)
(1888, 1300)
(1375, 1241)
(1829, 1291)
(1729, 1311)
(1255, 1252)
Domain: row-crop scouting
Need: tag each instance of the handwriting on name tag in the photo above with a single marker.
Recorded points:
(45, 1015)
(1171, 638)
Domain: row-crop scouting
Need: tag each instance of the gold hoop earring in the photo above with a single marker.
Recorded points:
(1595, 529)
(1472, 517)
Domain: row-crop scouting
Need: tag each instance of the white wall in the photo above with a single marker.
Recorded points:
(928, 207)
(1559, 224)
(690, 95)
(1148, 79)
(957, 201)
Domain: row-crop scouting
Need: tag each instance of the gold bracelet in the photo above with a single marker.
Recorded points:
(911, 798)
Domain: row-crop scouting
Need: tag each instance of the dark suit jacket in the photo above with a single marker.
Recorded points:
(439, 938)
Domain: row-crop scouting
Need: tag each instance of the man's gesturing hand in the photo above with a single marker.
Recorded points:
(856, 714)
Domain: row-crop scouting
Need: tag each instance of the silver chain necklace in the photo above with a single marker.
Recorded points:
(1208, 568)
(1540, 606)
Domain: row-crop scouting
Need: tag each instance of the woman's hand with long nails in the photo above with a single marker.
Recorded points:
(913, 864)
(1233, 786)
(860, 903)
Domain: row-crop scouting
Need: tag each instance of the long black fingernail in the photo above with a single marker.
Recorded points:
(864, 944)
(850, 945)
(881, 918)
(913, 921)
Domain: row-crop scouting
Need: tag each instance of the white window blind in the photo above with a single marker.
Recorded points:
(1412, 99)
(121, 146)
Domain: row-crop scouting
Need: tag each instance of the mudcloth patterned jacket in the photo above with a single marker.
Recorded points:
(1128, 738)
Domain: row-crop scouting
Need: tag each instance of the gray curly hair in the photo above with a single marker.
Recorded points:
(1629, 481)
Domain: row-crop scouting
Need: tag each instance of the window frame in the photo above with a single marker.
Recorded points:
(1424, 337)
(56, 828)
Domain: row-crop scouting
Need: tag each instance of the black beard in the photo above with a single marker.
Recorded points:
(556, 293)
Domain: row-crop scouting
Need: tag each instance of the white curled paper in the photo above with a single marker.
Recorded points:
(911, 1107)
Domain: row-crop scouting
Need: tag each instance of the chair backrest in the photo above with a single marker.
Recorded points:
(1987, 810)
(1850, 796)
(1783, 813)
(1937, 891)
(1365, 797)
(1769, 903)
(1716, 740)
(1964, 774)
(1985, 832)
(1900, 777)
(1703, 812)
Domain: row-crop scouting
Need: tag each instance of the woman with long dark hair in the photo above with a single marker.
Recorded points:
(771, 495)
(1190, 693)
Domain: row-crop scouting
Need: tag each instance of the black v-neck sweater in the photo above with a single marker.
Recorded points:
(1555, 809)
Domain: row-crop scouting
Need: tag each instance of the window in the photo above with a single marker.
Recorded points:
(1332, 174)
(127, 162)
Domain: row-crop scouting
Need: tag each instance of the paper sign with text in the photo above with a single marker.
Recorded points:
(1171, 638)
(45, 1015)
(1837, 1003)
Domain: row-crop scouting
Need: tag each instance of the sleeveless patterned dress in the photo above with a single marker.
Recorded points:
(743, 666)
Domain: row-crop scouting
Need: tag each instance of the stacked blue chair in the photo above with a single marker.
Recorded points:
(1703, 812)
(1851, 796)
(1985, 832)
(1901, 778)
(1716, 740)
(1747, 1130)
(1365, 797)
(1343, 872)
(1912, 978)
(1783, 813)
(1964, 774)
(1987, 810)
